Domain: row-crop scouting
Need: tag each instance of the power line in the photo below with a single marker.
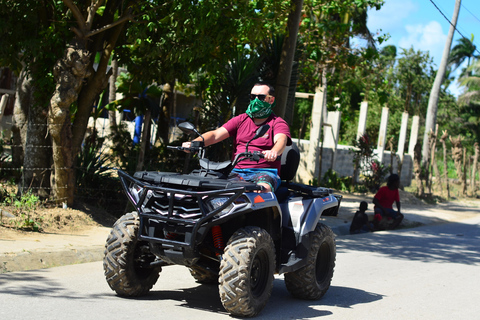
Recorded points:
(471, 13)
(439, 10)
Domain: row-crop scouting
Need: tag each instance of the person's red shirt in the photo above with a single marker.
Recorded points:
(242, 129)
(386, 197)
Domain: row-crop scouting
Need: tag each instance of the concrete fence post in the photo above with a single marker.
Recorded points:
(315, 131)
(331, 133)
(362, 120)
(3, 105)
(403, 136)
(382, 134)
(413, 135)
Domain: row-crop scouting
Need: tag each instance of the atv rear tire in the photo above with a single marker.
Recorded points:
(313, 280)
(246, 272)
(126, 261)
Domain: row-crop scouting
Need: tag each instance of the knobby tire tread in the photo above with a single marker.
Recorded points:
(303, 283)
(123, 276)
(236, 292)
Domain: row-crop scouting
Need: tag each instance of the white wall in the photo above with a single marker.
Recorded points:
(344, 163)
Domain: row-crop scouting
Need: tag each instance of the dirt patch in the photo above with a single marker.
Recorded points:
(410, 199)
(53, 220)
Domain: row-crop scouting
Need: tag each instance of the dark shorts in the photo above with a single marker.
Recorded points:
(258, 175)
(390, 212)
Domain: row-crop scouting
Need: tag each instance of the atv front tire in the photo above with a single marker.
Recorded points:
(127, 261)
(246, 272)
(312, 281)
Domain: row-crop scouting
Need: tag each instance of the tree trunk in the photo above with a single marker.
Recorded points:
(445, 167)
(438, 177)
(474, 169)
(38, 154)
(69, 73)
(431, 118)
(457, 155)
(31, 149)
(464, 172)
(321, 120)
(23, 100)
(286, 60)
(94, 86)
(163, 123)
(112, 96)
(432, 140)
(417, 167)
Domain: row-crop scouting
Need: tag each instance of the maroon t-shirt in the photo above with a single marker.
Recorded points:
(242, 129)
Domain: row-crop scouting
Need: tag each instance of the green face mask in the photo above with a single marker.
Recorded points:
(259, 109)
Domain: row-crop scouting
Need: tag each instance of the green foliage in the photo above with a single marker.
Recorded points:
(301, 121)
(362, 151)
(96, 180)
(372, 172)
(124, 154)
(175, 39)
(331, 179)
(33, 35)
(400, 82)
(137, 96)
(374, 175)
(324, 35)
(25, 207)
(92, 165)
(464, 50)
(467, 115)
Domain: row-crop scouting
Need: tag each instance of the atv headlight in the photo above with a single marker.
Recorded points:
(136, 191)
(217, 202)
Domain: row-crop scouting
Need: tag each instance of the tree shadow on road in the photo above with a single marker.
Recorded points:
(452, 242)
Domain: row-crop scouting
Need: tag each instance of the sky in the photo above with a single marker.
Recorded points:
(420, 24)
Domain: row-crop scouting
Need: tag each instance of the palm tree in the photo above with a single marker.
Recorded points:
(471, 82)
(431, 118)
(463, 50)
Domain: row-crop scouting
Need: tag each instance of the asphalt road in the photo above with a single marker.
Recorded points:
(422, 273)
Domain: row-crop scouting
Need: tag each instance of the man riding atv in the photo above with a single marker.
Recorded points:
(243, 127)
(225, 230)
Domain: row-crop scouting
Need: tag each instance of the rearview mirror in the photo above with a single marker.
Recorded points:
(188, 128)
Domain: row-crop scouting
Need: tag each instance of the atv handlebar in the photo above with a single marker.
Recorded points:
(251, 155)
(191, 149)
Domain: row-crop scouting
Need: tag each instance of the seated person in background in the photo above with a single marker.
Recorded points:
(384, 199)
(360, 223)
(243, 128)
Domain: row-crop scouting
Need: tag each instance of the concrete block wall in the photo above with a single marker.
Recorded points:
(343, 164)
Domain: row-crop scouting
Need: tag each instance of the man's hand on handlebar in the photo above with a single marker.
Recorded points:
(187, 145)
(270, 155)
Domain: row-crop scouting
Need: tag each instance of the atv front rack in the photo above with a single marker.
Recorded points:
(178, 219)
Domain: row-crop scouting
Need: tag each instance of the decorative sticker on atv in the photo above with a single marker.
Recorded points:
(258, 199)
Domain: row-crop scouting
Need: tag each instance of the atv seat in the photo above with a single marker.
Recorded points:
(289, 161)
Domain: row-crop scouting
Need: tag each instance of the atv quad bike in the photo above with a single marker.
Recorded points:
(184, 219)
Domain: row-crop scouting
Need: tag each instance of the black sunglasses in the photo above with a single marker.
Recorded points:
(260, 97)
